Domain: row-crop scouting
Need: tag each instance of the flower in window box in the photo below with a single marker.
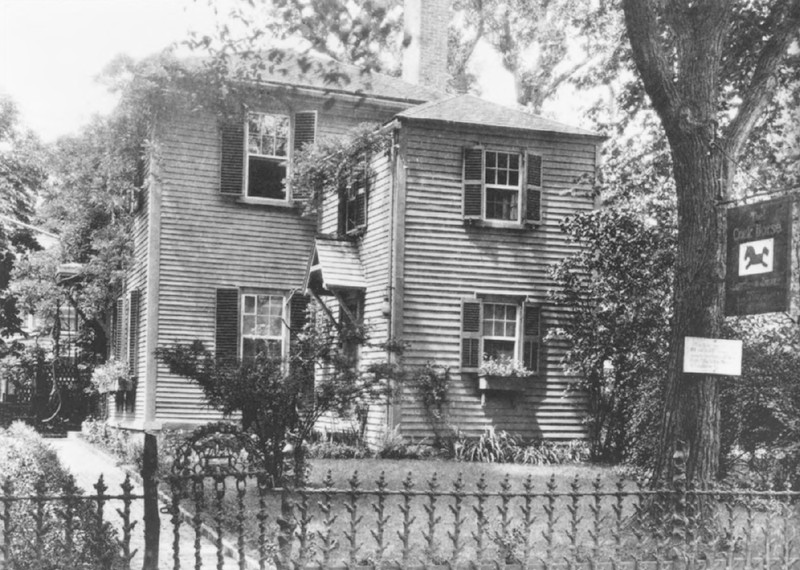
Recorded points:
(113, 376)
(504, 366)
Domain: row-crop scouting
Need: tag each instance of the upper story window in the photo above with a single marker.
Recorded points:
(263, 331)
(256, 150)
(353, 196)
(501, 186)
(267, 155)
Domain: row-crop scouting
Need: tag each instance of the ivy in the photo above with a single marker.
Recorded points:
(323, 168)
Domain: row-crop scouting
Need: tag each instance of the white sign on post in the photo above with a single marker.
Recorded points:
(712, 356)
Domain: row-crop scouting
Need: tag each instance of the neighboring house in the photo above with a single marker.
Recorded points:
(444, 243)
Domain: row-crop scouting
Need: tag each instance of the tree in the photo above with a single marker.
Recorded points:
(539, 41)
(22, 175)
(696, 80)
(280, 402)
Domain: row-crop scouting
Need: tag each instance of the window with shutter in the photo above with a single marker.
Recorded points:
(493, 186)
(305, 129)
(531, 336)
(133, 333)
(262, 330)
(118, 334)
(533, 188)
(494, 328)
(227, 323)
(267, 155)
(473, 183)
(470, 335)
(232, 159)
(354, 200)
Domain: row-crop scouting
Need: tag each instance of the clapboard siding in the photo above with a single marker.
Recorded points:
(209, 241)
(374, 253)
(446, 261)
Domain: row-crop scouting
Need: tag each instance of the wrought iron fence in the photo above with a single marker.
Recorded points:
(454, 524)
(71, 527)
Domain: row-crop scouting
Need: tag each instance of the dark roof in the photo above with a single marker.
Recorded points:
(291, 69)
(471, 110)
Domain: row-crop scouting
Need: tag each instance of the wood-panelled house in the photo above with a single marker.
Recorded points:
(443, 244)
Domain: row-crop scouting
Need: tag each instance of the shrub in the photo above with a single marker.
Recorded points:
(502, 447)
(34, 468)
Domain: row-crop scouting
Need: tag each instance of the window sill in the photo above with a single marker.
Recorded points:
(501, 224)
(275, 203)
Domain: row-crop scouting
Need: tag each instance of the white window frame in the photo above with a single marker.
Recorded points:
(487, 187)
(284, 159)
(283, 337)
(519, 309)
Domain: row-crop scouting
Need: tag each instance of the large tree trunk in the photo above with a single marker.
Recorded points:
(691, 411)
(678, 48)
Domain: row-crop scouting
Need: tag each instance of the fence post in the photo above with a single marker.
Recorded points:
(152, 522)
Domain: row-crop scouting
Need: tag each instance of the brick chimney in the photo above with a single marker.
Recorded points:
(425, 54)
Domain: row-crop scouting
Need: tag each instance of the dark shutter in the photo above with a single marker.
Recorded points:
(298, 316)
(305, 128)
(532, 337)
(133, 334)
(227, 314)
(473, 183)
(470, 335)
(119, 328)
(342, 212)
(231, 174)
(533, 188)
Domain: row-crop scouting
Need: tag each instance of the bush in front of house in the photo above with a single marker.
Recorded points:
(503, 447)
(32, 467)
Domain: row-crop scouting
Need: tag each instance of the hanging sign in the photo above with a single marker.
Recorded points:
(759, 258)
(712, 356)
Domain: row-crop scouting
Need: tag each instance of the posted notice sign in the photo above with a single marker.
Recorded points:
(759, 262)
(712, 356)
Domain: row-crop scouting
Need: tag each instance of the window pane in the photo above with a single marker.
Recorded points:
(249, 304)
(248, 325)
(501, 204)
(491, 159)
(513, 178)
(498, 348)
(513, 162)
(266, 178)
(502, 177)
(502, 160)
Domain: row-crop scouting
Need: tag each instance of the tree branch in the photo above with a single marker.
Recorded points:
(758, 92)
(642, 27)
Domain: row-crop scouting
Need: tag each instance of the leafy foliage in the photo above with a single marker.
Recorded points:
(33, 468)
(324, 168)
(22, 175)
(279, 401)
(503, 447)
(619, 289)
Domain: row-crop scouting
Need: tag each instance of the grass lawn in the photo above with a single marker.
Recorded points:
(439, 530)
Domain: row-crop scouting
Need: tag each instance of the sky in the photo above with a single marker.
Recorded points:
(51, 51)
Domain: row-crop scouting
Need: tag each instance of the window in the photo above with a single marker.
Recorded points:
(353, 201)
(497, 328)
(267, 155)
(262, 326)
(502, 177)
(502, 186)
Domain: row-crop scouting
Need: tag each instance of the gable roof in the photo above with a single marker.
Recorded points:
(471, 110)
(308, 71)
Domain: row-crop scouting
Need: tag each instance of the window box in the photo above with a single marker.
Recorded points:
(502, 383)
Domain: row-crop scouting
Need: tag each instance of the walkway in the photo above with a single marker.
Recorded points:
(87, 463)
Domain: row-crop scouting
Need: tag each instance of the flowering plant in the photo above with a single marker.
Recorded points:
(503, 366)
(113, 376)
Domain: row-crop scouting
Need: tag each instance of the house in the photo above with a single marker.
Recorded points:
(444, 243)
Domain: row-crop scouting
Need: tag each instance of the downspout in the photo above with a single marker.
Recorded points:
(396, 244)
